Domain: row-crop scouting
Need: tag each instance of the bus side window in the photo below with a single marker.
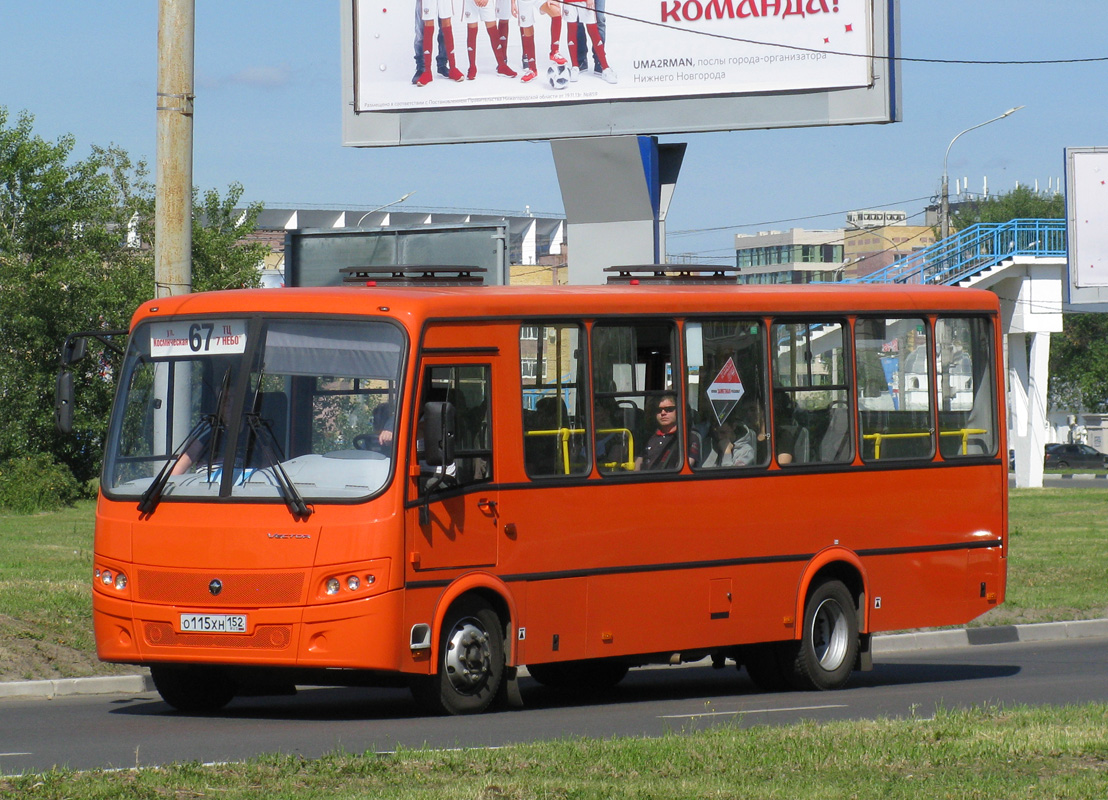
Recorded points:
(633, 365)
(811, 391)
(727, 391)
(553, 391)
(894, 398)
(965, 362)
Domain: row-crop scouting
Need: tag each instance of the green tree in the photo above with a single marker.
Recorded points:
(75, 255)
(1079, 363)
(1020, 203)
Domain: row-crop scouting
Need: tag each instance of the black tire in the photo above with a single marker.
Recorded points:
(768, 664)
(470, 661)
(829, 641)
(193, 689)
(594, 675)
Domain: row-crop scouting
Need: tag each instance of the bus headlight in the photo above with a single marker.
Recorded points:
(333, 586)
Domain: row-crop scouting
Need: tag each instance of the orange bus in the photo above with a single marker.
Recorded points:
(438, 485)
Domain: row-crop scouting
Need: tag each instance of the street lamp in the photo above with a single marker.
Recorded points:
(944, 209)
(381, 208)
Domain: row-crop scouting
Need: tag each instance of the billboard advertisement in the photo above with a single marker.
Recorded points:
(525, 69)
(510, 52)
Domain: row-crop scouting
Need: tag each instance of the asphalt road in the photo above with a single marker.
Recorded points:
(85, 732)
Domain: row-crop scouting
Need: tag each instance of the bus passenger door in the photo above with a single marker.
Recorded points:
(453, 511)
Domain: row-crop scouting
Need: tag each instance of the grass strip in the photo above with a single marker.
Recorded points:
(990, 753)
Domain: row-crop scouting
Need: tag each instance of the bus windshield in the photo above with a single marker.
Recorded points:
(301, 408)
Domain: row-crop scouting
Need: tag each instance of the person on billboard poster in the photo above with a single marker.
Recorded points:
(581, 56)
(491, 12)
(526, 11)
(440, 60)
(430, 11)
(553, 9)
(584, 15)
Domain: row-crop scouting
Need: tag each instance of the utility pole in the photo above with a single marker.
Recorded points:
(173, 175)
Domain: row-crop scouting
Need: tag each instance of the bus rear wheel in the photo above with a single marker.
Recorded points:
(193, 689)
(829, 641)
(470, 661)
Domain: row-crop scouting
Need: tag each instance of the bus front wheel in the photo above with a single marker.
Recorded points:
(470, 661)
(829, 641)
(193, 689)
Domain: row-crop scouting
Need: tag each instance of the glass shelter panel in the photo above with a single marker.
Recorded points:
(728, 391)
(552, 381)
(811, 387)
(894, 388)
(965, 364)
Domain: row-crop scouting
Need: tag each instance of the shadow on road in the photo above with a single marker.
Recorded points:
(640, 686)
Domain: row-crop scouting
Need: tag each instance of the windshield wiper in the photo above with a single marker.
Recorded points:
(153, 494)
(293, 499)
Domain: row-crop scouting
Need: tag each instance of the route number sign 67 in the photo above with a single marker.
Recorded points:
(197, 337)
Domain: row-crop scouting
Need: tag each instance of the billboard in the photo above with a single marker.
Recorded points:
(1087, 226)
(315, 257)
(436, 71)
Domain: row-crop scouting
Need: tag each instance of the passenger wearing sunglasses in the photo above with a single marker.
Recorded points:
(663, 449)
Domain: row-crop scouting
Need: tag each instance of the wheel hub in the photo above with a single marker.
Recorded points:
(468, 656)
(829, 634)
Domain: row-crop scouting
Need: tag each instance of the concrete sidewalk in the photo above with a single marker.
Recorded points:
(882, 645)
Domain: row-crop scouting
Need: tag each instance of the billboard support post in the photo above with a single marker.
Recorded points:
(616, 191)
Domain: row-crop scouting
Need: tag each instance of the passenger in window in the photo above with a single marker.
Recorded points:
(663, 451)
(611, 437)
(734, 444)
(786, 429)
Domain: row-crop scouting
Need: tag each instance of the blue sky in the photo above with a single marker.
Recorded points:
(268, 85)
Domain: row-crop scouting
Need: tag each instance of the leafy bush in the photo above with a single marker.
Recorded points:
(36, 483)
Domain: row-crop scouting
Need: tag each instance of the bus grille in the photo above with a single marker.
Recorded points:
(265, 637)
(239, 589)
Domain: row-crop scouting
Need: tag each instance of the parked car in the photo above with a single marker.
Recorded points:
(1078, 456)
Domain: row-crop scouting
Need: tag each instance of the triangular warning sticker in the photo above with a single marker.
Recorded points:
(725, 391)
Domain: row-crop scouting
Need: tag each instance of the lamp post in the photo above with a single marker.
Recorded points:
(944, 209)
(381, 208)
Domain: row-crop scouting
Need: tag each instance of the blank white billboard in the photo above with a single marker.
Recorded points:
(1087, 216)
(649, 66)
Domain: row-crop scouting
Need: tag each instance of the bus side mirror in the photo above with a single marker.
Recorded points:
(63, 402)
(74, 350)
(438, 433)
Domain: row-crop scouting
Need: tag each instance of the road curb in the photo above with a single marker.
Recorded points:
(1001, 634)
(65, 687)
(881, 645)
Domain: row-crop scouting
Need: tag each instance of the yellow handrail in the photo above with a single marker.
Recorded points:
(564, 433)
(877, 438)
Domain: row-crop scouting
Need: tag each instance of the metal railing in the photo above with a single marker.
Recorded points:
(974, 250)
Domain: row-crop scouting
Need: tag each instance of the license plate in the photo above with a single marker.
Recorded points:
(213, 623)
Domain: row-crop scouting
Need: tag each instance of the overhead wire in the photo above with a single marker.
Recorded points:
(899, 59)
